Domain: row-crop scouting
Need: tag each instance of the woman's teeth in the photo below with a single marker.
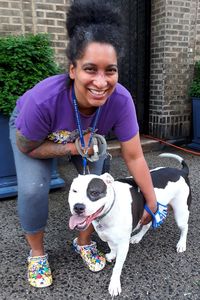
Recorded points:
(95, 92)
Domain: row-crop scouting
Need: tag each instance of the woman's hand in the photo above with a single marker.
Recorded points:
(86, 140)
(146, 217)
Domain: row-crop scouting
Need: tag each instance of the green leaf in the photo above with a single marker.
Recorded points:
(194, 90)
(24, 61)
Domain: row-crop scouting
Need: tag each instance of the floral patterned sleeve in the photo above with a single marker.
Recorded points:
(64, 136)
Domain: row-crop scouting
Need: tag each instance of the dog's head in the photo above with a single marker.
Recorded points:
(89, 197)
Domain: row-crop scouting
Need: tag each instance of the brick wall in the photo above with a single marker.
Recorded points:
(174, 48)
(24, 16)
(197, 27)
(175, 44)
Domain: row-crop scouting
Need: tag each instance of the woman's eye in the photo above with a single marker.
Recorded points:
(111, 71)
(89, 70)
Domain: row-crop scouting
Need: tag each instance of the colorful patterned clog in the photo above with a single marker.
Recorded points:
(93, 259)
(39, 272)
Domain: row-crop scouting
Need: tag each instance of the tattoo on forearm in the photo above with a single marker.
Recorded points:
(25, 144)
(50, 150)
(42, 149)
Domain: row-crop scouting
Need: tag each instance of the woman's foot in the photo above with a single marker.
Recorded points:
(39, 272)
(91, 256)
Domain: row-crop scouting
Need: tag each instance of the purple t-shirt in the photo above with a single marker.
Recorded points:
(47, 108)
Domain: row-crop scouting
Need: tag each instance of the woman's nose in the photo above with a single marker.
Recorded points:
(100, 80)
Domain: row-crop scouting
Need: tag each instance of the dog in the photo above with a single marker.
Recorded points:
(115, 208)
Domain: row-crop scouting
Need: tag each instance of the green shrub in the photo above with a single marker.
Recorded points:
(24, 61)
(195, 86)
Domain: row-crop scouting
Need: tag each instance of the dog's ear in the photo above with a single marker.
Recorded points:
(107, 178)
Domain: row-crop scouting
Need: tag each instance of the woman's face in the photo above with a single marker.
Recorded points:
(95, 75)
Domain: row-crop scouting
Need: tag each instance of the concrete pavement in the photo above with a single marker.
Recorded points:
(153, 270)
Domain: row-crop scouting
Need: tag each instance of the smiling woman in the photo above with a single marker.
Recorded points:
(65, 113)
(95, 76)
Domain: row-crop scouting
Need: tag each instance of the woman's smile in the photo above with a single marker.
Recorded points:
(98, 94)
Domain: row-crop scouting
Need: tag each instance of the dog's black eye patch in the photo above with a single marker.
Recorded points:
(96, 189)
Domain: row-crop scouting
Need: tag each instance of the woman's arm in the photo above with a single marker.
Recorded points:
(136, 163)
(44, 149)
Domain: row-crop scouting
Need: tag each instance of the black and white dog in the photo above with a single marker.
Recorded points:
(115, 209)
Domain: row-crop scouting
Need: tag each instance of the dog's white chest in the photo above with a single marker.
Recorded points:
(102, 230)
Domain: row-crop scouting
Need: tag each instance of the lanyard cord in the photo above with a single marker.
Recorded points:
(78, 121)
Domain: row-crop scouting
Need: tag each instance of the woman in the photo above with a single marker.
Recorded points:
(88, 97)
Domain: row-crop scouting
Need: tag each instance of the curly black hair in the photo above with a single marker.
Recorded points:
(93, 21)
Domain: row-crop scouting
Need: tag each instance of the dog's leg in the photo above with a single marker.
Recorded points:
(113, 252)
(137, 227)
(115, 284)
(182, 217)
(135, 239)
(181, 245)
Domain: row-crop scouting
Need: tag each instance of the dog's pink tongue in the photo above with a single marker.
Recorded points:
(75, 220)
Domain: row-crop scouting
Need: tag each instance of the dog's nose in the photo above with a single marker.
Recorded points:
(79, 208)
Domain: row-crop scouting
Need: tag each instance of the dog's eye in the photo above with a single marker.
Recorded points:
(74, 191)
(94, 193)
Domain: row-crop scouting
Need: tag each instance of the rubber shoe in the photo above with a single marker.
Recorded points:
(92, 258)
(39, 272)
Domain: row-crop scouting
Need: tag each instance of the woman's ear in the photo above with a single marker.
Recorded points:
(72, 71)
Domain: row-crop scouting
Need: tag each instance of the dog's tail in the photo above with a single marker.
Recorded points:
(179, 158)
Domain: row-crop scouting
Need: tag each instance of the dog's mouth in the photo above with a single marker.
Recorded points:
(82, 222)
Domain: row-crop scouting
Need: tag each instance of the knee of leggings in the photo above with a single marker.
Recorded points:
(38, 190)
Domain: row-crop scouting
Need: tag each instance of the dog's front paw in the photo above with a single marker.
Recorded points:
(181, 246)
(114, 287)
(110, 256)
(135, 239)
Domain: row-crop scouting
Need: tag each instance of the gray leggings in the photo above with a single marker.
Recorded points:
(33, 177)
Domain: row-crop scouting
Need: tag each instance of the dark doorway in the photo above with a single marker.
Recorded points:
(135, 68)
